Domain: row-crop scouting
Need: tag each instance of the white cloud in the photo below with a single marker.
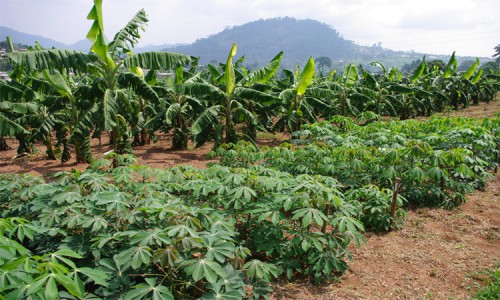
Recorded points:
(471, 27)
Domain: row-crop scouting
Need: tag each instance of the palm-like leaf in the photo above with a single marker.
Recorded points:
(215, 74)
(242, 114)
(378, 64)
(264, 74)
(108, 111)
(477, 76)
(18, 108)
(172, 111)
(255, 95)
(129, 35)
(47, 124)
(350, 75)
(305, 77)
(68, 60)
(84, 124)
(419, 71)
(468, 74)
(10, 128)
(14, 91)
(57, 81)
(96, 34)
(157, 60)
(207, 119)
(197, 89)
(138, 85)
(229, 76)
(197, 78)
(451, 67)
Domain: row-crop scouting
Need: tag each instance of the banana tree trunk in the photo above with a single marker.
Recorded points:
(47, 141)
(145, 138)
(342, 100)
(24, 145)
(76, 144)
(230, 130)
(251, 129)
(78, 154)
(114, 136)
(3, 144)
(180, 138)
(144, 134)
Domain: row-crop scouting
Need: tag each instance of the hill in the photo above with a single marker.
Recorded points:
(261, 40)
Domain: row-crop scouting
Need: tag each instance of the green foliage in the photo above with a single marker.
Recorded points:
(438, 160)
(128, 37)
(492, 288)
(140, 232)
(62, 60)
(120, 230)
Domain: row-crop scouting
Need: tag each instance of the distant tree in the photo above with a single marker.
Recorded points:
(491, 67)
(322, 62)
(436, 62)
(4, 63)
(465, 65)
(409, 68)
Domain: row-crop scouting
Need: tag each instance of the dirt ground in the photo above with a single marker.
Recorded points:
(157, 155)
(439, 254)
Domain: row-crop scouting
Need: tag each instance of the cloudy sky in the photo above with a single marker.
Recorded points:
(471, 27)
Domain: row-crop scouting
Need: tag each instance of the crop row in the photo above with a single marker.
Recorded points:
(134, 231)
(437, 161)
(123, 230)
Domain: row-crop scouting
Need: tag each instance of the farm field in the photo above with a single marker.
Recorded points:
(436, 254)
(159, 155)
(121, 181)
(439, 254)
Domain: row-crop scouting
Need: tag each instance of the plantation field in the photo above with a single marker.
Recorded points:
(159, 155)
(433, 253)
(219, 182)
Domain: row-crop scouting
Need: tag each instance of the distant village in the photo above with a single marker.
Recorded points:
(3, 56)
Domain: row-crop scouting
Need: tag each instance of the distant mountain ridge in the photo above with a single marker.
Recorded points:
(82, 45)
(259, 41)
(29, 39)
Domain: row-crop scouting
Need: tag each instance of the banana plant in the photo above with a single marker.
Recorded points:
(111, 58)
(9, 125)
(238, 100)
(346, 96)
(379, 97)
(183, 100)
(50, 84)
(409, 99)
(295, 105)
(255, 92)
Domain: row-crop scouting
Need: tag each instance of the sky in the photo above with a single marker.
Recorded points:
(469, 27)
